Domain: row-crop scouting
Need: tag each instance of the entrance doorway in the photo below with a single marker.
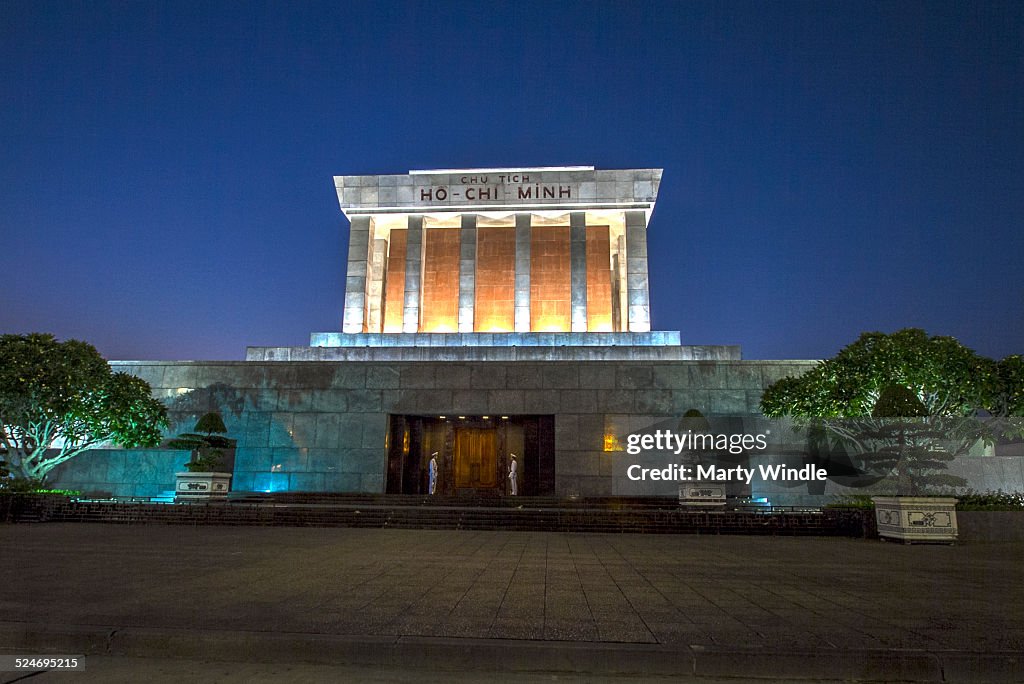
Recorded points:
(476, 458)
(471, 454)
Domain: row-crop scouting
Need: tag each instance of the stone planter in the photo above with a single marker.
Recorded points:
(916, 518)
(201, 486)
(702, 494)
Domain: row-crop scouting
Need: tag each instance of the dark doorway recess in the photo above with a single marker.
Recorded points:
(473, 454)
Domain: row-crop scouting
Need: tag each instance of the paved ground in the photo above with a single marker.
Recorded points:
(678, 594)
(129, 670)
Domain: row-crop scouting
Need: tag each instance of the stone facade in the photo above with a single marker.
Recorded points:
(321, 426)
(475, 295)
(521, 250)
(143, 473)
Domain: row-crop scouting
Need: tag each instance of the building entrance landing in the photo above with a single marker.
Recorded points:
(471, 455)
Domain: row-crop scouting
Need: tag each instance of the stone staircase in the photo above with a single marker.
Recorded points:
(599, 514)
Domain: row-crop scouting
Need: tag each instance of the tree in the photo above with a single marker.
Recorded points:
(915, 446)
(842, 404)
(1006, 391)
(207, 447)
(948, 378)
(897, 401)
(59, 399)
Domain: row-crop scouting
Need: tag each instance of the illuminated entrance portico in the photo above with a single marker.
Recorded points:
(471, 455)
(536, 250)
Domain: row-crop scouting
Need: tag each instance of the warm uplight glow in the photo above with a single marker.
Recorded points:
(611, 443)
(599, 280)
(550, 324)
(550, 279)
(440, 312)
(495, 290)
(394, 292)
(494, 306)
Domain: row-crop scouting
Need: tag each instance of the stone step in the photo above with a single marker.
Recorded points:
(316, 498)
(528, 514)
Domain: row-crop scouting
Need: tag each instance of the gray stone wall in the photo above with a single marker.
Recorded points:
(497, 188)
(121, 472)
(321, 426)
(526, 352)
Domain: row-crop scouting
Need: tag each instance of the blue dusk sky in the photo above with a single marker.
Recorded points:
(830, 167)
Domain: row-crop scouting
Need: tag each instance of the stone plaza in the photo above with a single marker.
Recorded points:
(495, 603)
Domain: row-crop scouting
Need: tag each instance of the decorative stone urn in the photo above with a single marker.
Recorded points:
(201, 486)
(916, 518)
(702, 494)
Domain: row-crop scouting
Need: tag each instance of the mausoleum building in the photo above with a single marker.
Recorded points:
(530, 259)
(493, 320)
(494, 338)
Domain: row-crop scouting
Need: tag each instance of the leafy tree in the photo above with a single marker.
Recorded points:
(897, 401)
(1006, 389)
(846, 403)
(948, 378)
(211, 423)
(59, 399)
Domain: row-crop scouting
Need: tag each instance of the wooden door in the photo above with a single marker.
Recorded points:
(476, 458)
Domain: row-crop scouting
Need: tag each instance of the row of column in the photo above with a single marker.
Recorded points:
(366, 263)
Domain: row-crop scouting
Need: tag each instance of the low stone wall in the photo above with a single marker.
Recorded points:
(121, 472)
(990, 526)
(31, 507)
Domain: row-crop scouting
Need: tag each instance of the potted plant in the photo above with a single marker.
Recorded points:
(697, 492)
(910, 445)
(206, 476)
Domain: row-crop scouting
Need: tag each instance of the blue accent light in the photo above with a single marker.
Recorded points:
(270, 482)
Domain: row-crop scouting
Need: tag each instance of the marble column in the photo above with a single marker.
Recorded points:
(413, 275)
(467, 273)
(637, 286)
(522, 294)
(578, 265)
(375, 285)
(355, 274)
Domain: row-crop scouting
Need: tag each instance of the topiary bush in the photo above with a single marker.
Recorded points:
(990, 501)
(897, 401)
(206, 442)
